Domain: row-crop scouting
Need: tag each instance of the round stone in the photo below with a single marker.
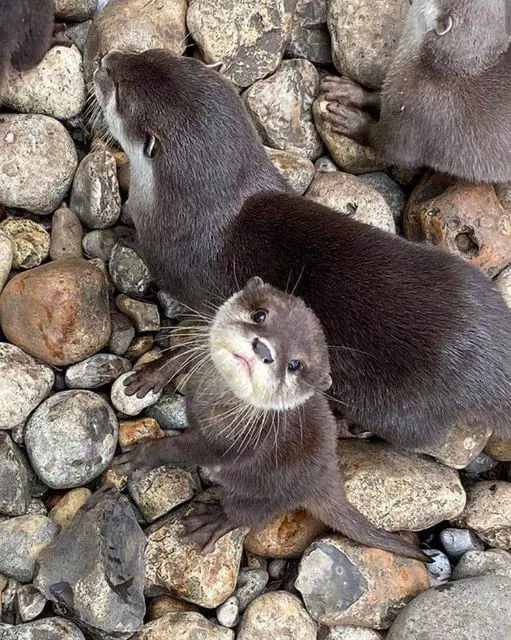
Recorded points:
(130, 405)
(30, 242)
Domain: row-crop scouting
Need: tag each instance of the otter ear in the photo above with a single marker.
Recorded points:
(149, 145)
(254, 283)
(443, 24)
(325, 382)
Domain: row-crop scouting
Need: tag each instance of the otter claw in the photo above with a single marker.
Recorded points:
(141, 383)
(205, 525)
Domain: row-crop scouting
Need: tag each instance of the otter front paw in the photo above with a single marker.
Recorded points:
(344, 91)
(206, 524)
(151, 378)
(140, 457)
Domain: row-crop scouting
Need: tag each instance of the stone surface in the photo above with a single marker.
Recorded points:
(135, 431)
(122, 334)
(348, 633)
(503, 284)
(30, 242)
(128, 272)
(47, 629)
(346, 584)
(96, 371)
(172, 309)
(439, 568)
(30, 602)
(15, 478)
(100, 242)
(24, 384)
(277, 615)
(281, 108)
(76, 10)
(478, 563)
(37, 162)
(169, 411)
(295, 167)
(461, 448)
(66, 235)
(69, 505)
(185, 626)
(310, 38)
(457, 542)
(71, 296)
(248, 37)
(251, 584)
(499, 448)
(161, 606)
(130, 405)
(393, 192)
(144, 315)
(228, 614)
(71, 438)
(468, 609)
(6, 258)
(350, 195)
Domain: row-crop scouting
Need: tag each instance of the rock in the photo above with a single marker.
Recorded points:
(249, 38)
(398, 490)
(68, 506)
(461, 448)
(325, 164)
(499, 448)
(278, 615)
(76, 10)
(172, 309)
(122, 334)
(185, 626)
(136, 431)
(488, 513)
(37, 507)
(278, 568)
(439, 569)
(22, 540)
(71, 438)
(144, 315)
(281, 108)
(163, 605)
(24, 384)
(482, 464)
(77, 33)
(503, 284)
(103, 592)
(350, 195)
(457, 542)
(348, 633)
(346, 584)
(160, 490)
(169, 411)
(96, 371)
(100, 242)
(310, 38)
(71, 296)
(478, 563)
(180, 568)
(30, 242)
(228, 613)
(251, 584)
(95, 196)
(66, 235)
(468, 609)
(139, 346)
(393, 192)
(130, 405)
(6, 258)
(47, 629)
(30, 602)
(286, 536)
(15, 478)
(295, 167)
(365, 35)
(37, 162)
(128, 271)
(464, 218)
(55, 87)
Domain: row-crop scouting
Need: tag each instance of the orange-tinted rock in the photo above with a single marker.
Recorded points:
(134, 431)
(57, 312)
(162, 605)
(499, 448)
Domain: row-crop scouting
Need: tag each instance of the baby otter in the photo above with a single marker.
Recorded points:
(258, 417)
(446, 100)
(418, 339)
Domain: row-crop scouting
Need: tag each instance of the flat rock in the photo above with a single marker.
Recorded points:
(128, 271)
(503, 283)
(169, 411)
(468, 609)
(185, 626)
(47, 629)
(278, 615)
(66, 235)
(144, 315)
(37, 162)
(24, 384)
(15, 478)
(499, 448)
(69, 505)
(346, 584)
(461, 448)
(130, 405)
(352, 196)
(281, 108)
(172, 309)
(96, 371)
(310, 38)
(122, 334)
(6, 258)
(295, 167)
(30, 242)
(479, 563)
(71, 438)
(77, 10)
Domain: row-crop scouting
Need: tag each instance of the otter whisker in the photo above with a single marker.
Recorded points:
(337, 346)
(298, 281)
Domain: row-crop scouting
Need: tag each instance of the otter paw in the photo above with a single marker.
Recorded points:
(344, 90)
(206, 524)
(136, 458)
(141, 382)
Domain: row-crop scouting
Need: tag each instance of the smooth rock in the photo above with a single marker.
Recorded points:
(144, 315)
(295, 167)
(71, 438)
(503, 284)
(130, 405)
(228, 613)
(6, 258)
(69, 505)
(122, 334)
(15, 478)
(47, 629)
(463, 446)
(57, 312)
(96, 371)
(483, 463)
(30, 602)
(478, 563)
(100, 242)
(499, 448)
(281, 108)
(393, 192)
(77, 10)
(30, 242)
(161, 606)
(310, 38)
(439, 569)
(343, 583)
(37, 162)
(139, 346)
(185, 626)
(278, 568)
(351, 196)
(169, 411)
(66, 235)
(136, 431)
(128, 271)
(325, 164)
(348, 633)
(24, 384)
(251, 584)
(457, 542)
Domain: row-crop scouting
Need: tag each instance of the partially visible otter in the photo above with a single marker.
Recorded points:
(446, 100)
(418, 339)
(258, 417)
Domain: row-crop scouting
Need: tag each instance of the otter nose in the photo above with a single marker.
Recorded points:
(261, 351)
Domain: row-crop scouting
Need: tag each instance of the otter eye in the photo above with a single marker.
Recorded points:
(149, 145)
(293, 365)
(259, 316)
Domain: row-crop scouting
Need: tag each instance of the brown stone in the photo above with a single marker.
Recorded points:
(67, 507)
(144, 315)
(139, 346)
(183, 625)
(162, 605)
(461, 448)
(66, 235)
(134, 431)
(499, 448)
(58, 312)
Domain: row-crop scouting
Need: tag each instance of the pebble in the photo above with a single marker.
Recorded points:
(348, 633)
(295, 167)
(71, 295)
(76, 10)
(128, 272)
(135, 431)
(478, 563)
(186, 625)
(99, 243)
(139, 346)
(325, 164)
(393, 192)
(172, 309)
(47, 629)
(30, 602)
(277, 615)
(278, 568)
(95, 195)
(15, 478)
(503, 283)
(457, 542)
(251, 583)
(22, 540)
(169, 411)
(6, 258)
(475, 608)
(228, 613)
(130, 405)
(499, 448)
(37, 507)
(71, 438)
(69, 505)
(310, 38)
(482, 464)
(24, 384)
(346, 584)
(163, 605)
(122, 334)
(440, 569)
(30, 242)
(37, 162)
(66, 235)
(96, 371)
(145, 316)
(463, 446)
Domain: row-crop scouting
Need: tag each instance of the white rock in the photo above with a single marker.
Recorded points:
(6, 255)
(76, 10)
(130, 405)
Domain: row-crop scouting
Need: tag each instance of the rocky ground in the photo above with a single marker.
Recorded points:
(78, 311)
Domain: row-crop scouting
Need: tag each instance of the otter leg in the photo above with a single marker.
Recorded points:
(206, 524)
(350, 122)
(158, 374)
(349, 93)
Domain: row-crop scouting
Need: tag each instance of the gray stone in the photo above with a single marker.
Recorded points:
(47, 629)
(37, 507)
(295, 167)
(122, 334)
(129, 273)
(484, 462)
(6, 257)
(183, 625)
(66, 235)
(457, 542)
(77, 33)
(76, 10)
(251, 583)
(100, 242)
(228, 613)
(15, 478)
(144, 315)
(440, 569)
(462, 446)
(310, 38)
(30, 242)
(479, 563)
(169, 411)
(348, 633)
(393, 193)
(30, 602)
(278, 568)
(130, 405)
(96, 371)
(325, 164)
(172, 309)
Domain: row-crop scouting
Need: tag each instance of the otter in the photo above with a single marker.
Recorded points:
(446, 100)
(418, 338)
(257, 416)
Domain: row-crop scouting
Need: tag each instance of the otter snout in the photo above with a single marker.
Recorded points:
(262, 351)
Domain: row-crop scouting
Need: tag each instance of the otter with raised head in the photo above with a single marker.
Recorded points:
(418, 339)
(258, 417)
(446, 100)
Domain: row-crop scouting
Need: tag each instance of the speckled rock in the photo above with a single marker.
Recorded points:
(15, 478)
(161, 606)
(69, 505)
(281, 107)
(145, 316)
(250, 585)
(30, 242)
(249, 37)
(6, 257)
(295, 167)
(30, 602)
(398, 490)
(170, 411)
(350, 195)
(77, 10)
(66, 235)
(310, 38)
(122, 334)
(228, 613)
(24, 383)
(503, 284)
(476, 608)
(346, 584)
(37, 162)
(130, 405)
(96, 371)
(348, 633)
(185, 626)
(325, 164)
(100, 242)
(393, 192)
(478, 563)
(457, 542)
(439, 569)
(135, 431)
(461, 448)
(71, 296)
(499, 448)
(71, 438)
(47, 629)
(139, 346)
(128, 271)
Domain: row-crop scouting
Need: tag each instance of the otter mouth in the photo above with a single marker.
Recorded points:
(243, 364)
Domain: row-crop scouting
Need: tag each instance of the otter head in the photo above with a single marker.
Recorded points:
(269, 348)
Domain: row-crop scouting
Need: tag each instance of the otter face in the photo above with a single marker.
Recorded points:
(269, 348)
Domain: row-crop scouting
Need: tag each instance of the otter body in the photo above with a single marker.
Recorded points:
(418, 339)
(257, 416)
